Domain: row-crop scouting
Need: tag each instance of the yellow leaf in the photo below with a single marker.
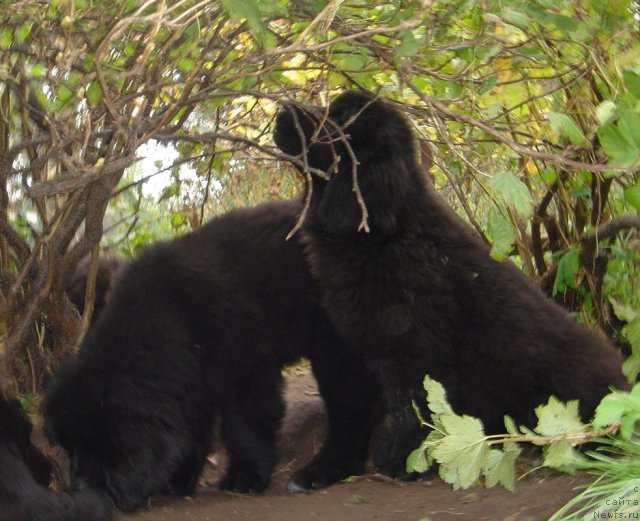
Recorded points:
(531, 167)
(503, 69)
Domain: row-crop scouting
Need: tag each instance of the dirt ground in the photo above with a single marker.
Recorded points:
(366, 498)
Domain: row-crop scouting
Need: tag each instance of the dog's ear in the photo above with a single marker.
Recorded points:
(293, 129)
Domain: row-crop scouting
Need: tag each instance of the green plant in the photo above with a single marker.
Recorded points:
(615, 493)
(466, 456)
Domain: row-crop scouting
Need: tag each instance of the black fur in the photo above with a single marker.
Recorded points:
(25, 475)
(420, 294)
(197, 327)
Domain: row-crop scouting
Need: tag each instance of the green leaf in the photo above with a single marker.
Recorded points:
(352, 59)
(567, 270)
(409, 44)
(63, 95)
(632, 332)
(517, 19)
(560, 455)
(511, 426)
(619, 8)
(462, 453)
(632, 195)
(178, 220)
(619, 407)
(562, 22)
(557, 418)
(436, 397)
(170, 191)
(94, 93)
(632, 82)
(6, 37)
(186, 64)
(618, 145)
(606, 112)
(22, 32)
(449, 475)
(514, 192)
(564, 126)
(418, 461)
(502, 233)
(245, 9)
(38, 70)
(631, 366)
(501, 466)
(629, 125)
(623, 311)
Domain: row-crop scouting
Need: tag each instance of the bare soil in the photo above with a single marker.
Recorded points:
(365, 498)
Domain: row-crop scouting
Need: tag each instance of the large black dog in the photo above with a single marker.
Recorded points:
(197, 327)
(419, 293)
(25, 475)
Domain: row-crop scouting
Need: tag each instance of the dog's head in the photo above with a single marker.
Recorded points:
(114, 443)
(358, 141)
(356, 125)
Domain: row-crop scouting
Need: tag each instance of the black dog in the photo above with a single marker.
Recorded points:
(197, 327)
(419, 294)
(25, 475)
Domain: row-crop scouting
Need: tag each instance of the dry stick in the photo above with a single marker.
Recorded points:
(578, 438)
(158, 19)
(323, 122)
(12, 238)
(88, 175)
(538, 218)
(607, 230)
(305, 207)
(205, 199)
(462, 200)
(89, 294)
(325, 17)
(442, 132)
(364, 222)
(299, 46)
(305, 171)
(355, 185)
(233, 138)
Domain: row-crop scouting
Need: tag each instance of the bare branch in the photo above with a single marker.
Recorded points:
(84, 175)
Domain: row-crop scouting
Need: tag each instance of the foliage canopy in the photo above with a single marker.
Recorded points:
(528, 115)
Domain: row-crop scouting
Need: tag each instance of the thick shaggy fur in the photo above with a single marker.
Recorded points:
(25, 474)
(420, 294)
(195, 328)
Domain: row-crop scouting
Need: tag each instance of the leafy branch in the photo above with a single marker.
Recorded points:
(466, 455)
(522, 106)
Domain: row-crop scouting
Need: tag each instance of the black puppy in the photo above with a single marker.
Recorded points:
(25, 475)
(419, 294)
(195, 328)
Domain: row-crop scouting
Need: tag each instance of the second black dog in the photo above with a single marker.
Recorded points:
(419, 294)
